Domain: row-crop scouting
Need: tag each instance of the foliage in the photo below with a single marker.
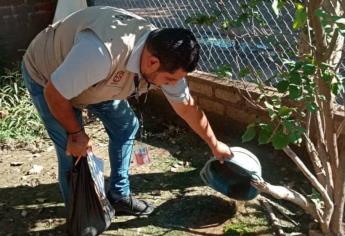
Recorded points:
(239, 227)
(223, 71)
(19, 119)
(297, 83)
(204, 19)
(247, 14)
(304, 108)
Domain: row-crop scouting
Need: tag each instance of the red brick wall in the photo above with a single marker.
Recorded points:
(20, 21)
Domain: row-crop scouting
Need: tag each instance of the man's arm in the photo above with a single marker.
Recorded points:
(78, 141)
(198, 121)
(85, 65)
(61, 108)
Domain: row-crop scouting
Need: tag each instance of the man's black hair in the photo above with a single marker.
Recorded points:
(176, 48)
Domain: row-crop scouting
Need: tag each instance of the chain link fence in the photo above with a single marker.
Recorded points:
(259, 44)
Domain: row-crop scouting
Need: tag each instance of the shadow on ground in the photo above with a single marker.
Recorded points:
(43, 204)
(24, 206)
(24, 209)
(185, 214)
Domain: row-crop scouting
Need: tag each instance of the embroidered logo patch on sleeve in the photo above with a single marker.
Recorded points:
(117, 77)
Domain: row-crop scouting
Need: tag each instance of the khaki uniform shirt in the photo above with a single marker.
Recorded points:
(118, 29)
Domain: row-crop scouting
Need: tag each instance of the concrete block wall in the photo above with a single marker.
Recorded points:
(223, 102)
(222, 97)
(20, 21)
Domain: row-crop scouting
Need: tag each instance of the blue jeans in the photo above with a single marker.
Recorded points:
(120, 123)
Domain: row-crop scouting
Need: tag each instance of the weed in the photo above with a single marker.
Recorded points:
(18, 118)
(249, 226)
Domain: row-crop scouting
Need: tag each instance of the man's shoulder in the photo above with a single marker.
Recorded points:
(117, 13)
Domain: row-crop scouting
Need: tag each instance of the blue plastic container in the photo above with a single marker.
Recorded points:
(233, 177)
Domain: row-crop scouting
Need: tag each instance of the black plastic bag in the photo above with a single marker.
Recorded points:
(89, 211)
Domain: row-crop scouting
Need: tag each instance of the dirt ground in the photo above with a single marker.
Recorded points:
(30, 201)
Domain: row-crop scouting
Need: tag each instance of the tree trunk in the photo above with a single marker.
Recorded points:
(335, 8)
(330, 52)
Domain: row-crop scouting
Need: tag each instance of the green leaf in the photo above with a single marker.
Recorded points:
(321, 13)
(244, 6)
(249, 134)
(293, 129)
(324, 66)
(312, 106)
(295, 137)
(327, 75)
(280, 140)
(244, 72)
(285, 112)
(336, 88)
(265, 133)
(276, 100)
(295, 92)
(202, 19)
(244, 17)
(295, 78)
(309, 69)
(300, 16)
(228, 23)
(282, 86)
(297, 65)
(223, 71)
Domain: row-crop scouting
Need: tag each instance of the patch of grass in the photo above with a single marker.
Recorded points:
(19, 119)
(240, 228)
(253, 226)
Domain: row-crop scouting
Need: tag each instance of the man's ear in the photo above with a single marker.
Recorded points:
(153, 63)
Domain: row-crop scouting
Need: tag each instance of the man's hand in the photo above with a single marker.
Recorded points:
(78, 144)
(221, 151)
(62, 109)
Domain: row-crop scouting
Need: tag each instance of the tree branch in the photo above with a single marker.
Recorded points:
(340, 128)
(274, 219)
(319, 36)
(329, 206)
(320, 127)
(308, 122)
(320, 165)
(331, 48)
(280, 192)
(285, 212)
(250, 100)
(327, 106)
